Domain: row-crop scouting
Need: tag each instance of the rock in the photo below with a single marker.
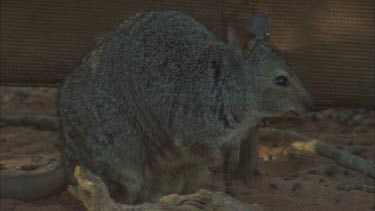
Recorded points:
(313, 171)
(230, 192)
(331, 170)
(287, 177)
(296, 186)
(267, 157)
(2, 167)
(274, 186)
(93, 193)
(358, 118)
(28, 167)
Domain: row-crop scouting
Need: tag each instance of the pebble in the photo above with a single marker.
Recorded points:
(327, 113)
(267, 157)
(346, 172)
(370, 189)
(358, 151)
(350, 143)
(335, 115)
(212, 187)
(2, 167)
(337, 199)
(296, 186)
(228, 184)
(287, 177)
(342, 186)
(313, 171)
(367, 122)
(357, 118)
(320, 116)
(275, 157)
(28, 167)
(352, 123)
(274, 186)
(4, 99)
(343, 117)
(331, 171)
(359, 128)
(322, 180)
(230, 192)
(246, 193)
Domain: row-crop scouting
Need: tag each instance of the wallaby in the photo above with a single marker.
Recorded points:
(161, 97)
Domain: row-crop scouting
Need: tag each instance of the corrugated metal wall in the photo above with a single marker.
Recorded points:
(329, 42)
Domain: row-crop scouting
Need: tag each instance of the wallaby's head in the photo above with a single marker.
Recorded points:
(276, 86)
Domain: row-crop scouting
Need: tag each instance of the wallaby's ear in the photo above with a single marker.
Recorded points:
(259, 25)
(240, 36)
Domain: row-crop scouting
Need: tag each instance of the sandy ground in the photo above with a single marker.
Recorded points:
(286, 181)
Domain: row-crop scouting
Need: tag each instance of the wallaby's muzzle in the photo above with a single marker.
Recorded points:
(305, 106)
(309, 104)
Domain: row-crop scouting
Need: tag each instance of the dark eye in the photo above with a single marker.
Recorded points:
(281, 80)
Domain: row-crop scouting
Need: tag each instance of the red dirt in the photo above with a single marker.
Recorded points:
(286, 182)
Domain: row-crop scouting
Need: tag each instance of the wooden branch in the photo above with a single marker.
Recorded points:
(344, 158)
(290, 134)
(92, 192)
(313, 145)
(39, 121)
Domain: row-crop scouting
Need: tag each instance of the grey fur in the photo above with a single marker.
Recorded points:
(159, 97)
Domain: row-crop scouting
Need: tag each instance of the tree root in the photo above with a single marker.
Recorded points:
(42, 122)
(313, 145)
(92, 192)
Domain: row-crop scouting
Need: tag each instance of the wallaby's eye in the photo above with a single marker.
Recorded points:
(281, 80)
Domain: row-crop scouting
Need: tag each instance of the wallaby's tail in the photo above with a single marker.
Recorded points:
(34, 187)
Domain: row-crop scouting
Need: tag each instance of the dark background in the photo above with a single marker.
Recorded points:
(330, 43)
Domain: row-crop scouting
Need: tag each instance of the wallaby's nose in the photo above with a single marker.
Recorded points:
(308, 104)
(309, 108)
